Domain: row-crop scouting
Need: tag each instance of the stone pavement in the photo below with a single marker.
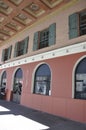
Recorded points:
(17, 117)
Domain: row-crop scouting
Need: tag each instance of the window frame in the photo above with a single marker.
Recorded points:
(6, 53)
(74, 25)
(3, 81)
(83, 11)
(40, 44)
(74, 79)
(51, 37)
(47, 92)
(19, 50)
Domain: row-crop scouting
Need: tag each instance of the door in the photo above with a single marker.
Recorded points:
(17, 86)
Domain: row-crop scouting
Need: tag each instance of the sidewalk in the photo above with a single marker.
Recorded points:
(17, 117)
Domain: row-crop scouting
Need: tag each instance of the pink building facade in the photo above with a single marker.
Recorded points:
(52, 77)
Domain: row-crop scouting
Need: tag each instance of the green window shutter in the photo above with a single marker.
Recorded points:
(15, 49)
(73, 25)
(52, 34)
(35, 43)
(26, 45)
(3, 53)
(9, 52)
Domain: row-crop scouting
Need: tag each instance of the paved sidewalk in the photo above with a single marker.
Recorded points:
(17, 117)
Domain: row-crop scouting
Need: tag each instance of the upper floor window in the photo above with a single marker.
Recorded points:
(77, 24)
(82, 22)
(21, 47)
(80, 80)
(45, 38)
(42, 80)
(6, 53)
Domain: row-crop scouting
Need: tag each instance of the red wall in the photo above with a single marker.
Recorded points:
(60, 102)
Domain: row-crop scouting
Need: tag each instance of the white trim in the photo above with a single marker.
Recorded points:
(72, 49)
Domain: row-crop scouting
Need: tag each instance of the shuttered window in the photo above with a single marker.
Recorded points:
(77, 24)
(52, 34)
(45, 38)
(83, 23)
(6, 53)
(73, 26)
(36, 41)
(21, 47)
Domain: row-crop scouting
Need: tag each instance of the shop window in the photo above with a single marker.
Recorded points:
(3, 85)
(80, 80)
(6, 53)
(42, 80)
(45, 38)
(21, 47)
(77, 24)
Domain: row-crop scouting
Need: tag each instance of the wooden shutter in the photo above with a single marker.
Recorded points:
(15, 49)
(73, 25)
(3, 53)
(25, 45)
(35, 43)
(52, 34)
(9, 52)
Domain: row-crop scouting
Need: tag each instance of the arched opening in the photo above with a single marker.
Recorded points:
(80, 80)
(42, 79)
(17, 85)
(3, 85)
